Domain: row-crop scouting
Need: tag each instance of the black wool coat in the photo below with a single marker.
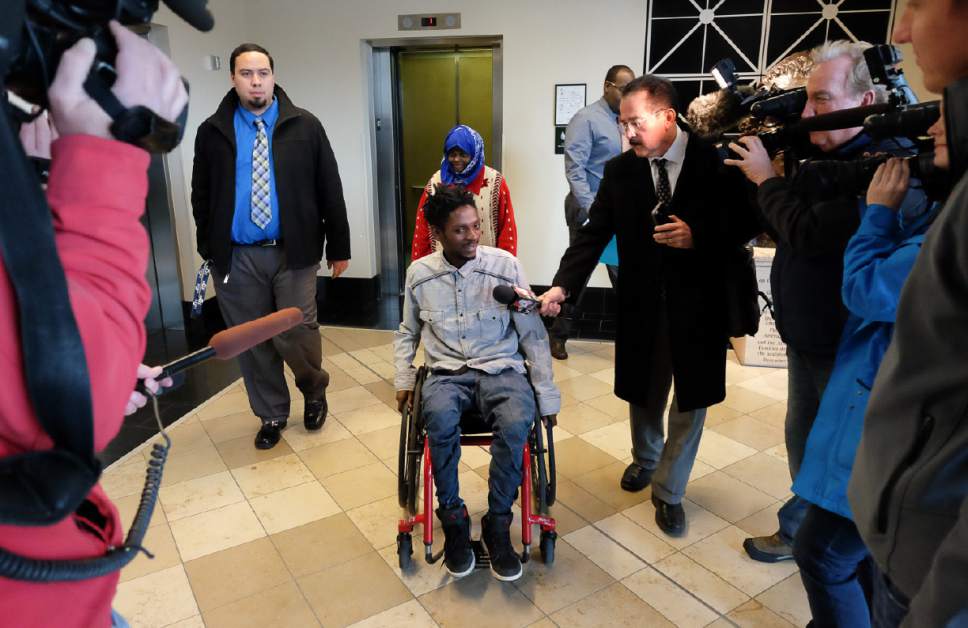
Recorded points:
(713, 202)
(312, 213)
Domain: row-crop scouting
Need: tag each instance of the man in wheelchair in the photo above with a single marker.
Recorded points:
(472, 347)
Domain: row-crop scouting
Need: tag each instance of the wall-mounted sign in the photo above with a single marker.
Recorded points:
(569, 98)
(560, 138)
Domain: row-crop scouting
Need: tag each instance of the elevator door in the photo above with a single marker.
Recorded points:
(438, 90)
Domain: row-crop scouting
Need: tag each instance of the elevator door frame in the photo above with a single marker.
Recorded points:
(384, 127)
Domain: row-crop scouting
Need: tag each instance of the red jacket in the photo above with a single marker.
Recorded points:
(97, 194)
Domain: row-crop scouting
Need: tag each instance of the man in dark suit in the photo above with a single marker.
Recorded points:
(266, 196)
(671, 292)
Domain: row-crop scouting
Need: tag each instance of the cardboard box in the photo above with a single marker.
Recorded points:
(765, 348)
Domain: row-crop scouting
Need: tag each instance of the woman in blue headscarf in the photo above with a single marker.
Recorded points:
(463, 164)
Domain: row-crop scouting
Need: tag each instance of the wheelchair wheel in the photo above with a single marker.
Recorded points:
(548, 547)
(405, 551)
(539, 475)
(411, 451)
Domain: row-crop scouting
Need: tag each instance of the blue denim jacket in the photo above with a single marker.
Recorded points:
(454, 312)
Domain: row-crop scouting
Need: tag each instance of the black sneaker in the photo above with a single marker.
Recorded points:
(458, 555)
(496, 534)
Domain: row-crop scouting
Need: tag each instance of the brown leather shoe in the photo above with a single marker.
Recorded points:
(558, 350)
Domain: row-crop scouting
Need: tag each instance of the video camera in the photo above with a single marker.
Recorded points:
(49, 27)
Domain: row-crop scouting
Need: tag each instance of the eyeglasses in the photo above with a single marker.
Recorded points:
(615, 85)
(635, 124)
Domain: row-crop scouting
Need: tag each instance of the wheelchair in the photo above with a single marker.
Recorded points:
(537, 482)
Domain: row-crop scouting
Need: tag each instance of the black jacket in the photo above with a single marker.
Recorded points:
(812, 217)
(693, 279)
(307, 183)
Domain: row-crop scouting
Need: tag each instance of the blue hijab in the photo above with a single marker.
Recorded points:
(469, 141)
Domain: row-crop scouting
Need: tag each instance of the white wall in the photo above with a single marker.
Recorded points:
(321, 60)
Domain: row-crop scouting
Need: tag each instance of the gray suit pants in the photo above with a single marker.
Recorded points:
(259, 283)
(670, 459)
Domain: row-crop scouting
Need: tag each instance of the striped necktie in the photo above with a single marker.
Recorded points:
(261, 212)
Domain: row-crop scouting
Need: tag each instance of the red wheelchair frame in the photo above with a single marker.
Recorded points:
(537, 482)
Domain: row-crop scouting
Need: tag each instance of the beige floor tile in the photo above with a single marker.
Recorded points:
(580, 418)
(128, 507)
(357, 487)
(613, 606)
(745, 400)
(788, 599)
(192, 622)
(475, 457)
(700, 523)
(567, 520)
(568, 400)
(229, 402)
(779, 452)
(232, 426)
(757, 434)
(702, 583)
(700, 469)
(762, 523)
(384, 391)
(479, 601)
(605, 375)
(583, 503)
(604, 552)
(378, 521)
(677, 605)
(543, 623)
(754, 615)
(736, 373)
(301, 439)
(192, 464)
(563, 372)
(763, 472)
(369, 419)
(125, 479)
(216, 530)
(321, 544)
(635, 538)
(351, 399)
(272, 475)
(728, 497)
(354, 590)
(410, 614)
(282, 605)
(721, 451)
(719, 413)
(241, 452)
(588, 362)
(571, 578)
(420, 577)
(384, 443)
(157, 599)
(767, 387)
(605, 484)
(723, 554)
(186, 434)
(199, 495)
(293, 507)
(774, 414)
(236, 573)
(610, 405)
(575, 457)
(614, 439)
(584, 388)
(159, 542)
(338, 379)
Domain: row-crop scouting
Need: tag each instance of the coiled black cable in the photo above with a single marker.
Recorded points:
(18, 567)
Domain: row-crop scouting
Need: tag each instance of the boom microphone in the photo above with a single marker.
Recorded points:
(843, 119)
(230, 342)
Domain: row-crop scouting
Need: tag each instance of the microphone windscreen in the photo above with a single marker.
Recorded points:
(235, 340)
(505, 294)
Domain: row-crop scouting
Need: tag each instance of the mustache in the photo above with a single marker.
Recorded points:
(635, 141)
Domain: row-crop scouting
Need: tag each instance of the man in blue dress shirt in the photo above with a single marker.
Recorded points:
(267, 201)
(591, 139)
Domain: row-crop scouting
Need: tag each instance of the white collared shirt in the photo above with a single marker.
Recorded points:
(674, 158)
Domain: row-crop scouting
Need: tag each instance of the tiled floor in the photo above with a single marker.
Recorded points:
(304, 534)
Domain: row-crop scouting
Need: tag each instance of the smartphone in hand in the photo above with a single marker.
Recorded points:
(660, 214)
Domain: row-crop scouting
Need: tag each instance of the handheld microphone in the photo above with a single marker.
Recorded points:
(515, 298)
(230, 342)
